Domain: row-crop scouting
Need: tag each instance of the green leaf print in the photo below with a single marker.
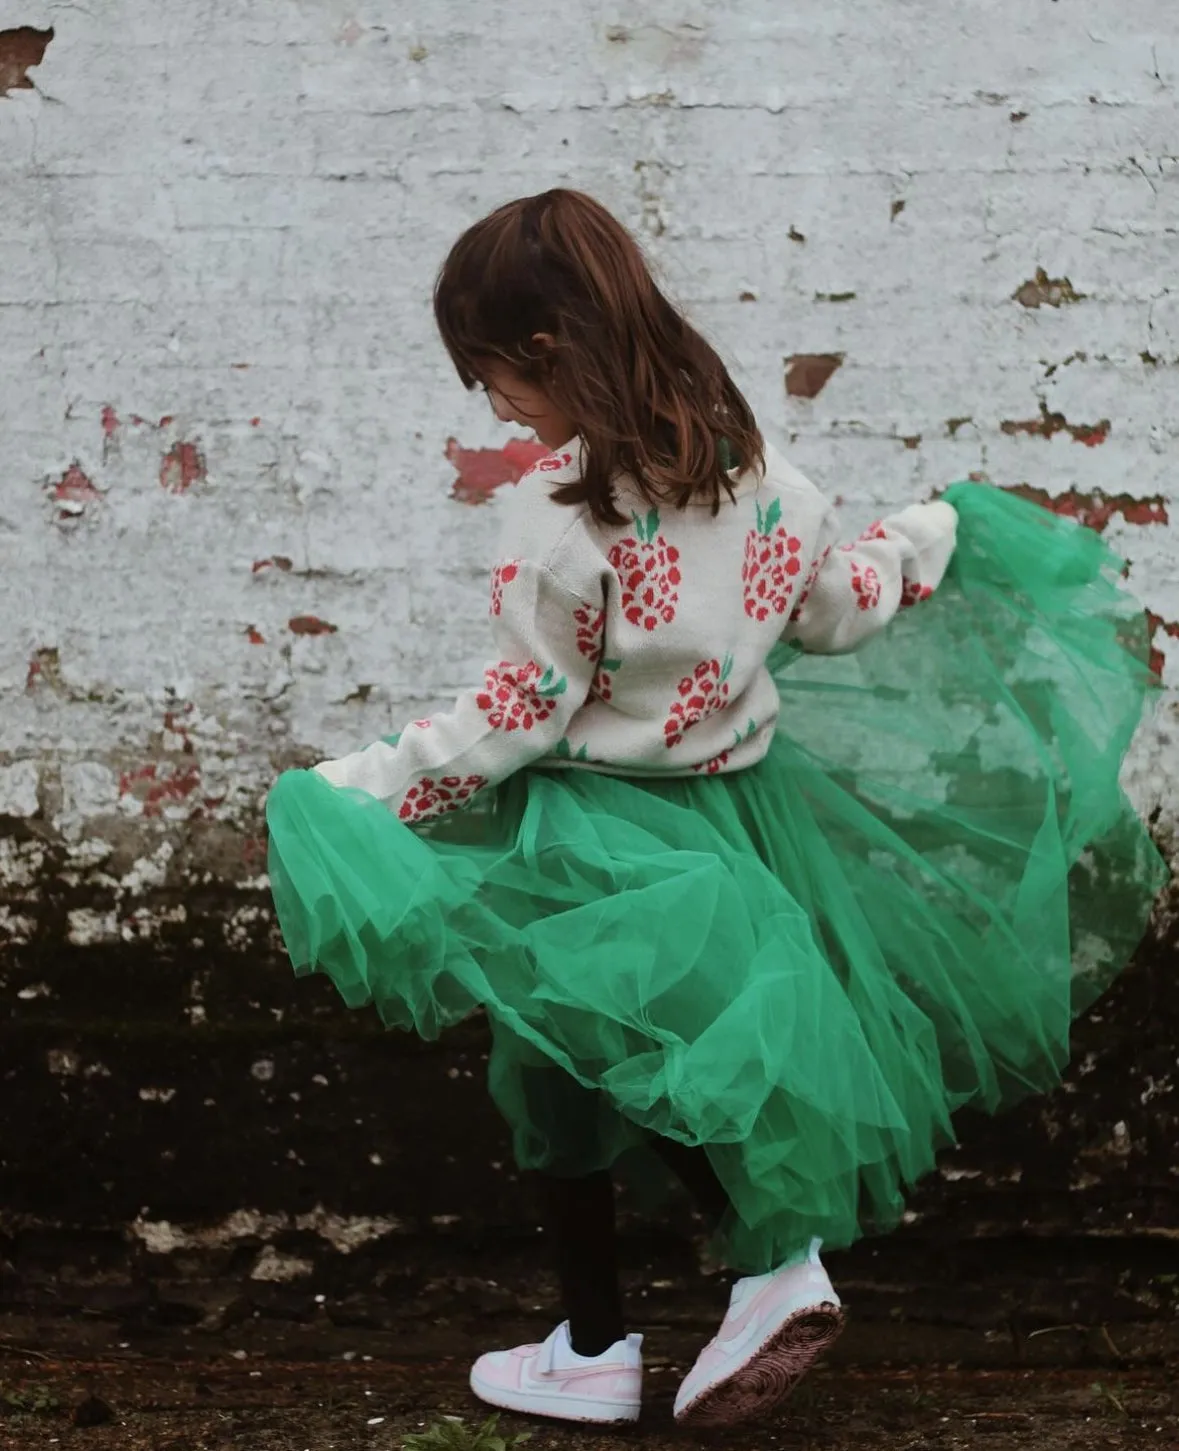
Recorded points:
(550, 685)
(611, 667)
(773, 517)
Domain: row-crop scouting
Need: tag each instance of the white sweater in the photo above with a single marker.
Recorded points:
(641, 650)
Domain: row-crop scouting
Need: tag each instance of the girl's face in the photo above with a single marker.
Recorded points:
(515, 401)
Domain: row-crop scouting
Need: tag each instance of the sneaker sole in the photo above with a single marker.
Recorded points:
(555, 1408)
(767, 1378)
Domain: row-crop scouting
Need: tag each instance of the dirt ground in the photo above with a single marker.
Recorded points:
(1036, 1344)
(256, 1401)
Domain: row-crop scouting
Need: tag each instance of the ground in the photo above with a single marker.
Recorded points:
(1052, 1345)
(288, 1405)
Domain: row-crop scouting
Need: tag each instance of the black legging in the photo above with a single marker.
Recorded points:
(579, 1218)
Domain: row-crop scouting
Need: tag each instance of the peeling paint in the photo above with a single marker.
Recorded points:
(1044, 291)
(156, 786)
(310, 625)
(44, 669)
(21, 50)
(110, 421)
(281, 1269)
(277, 561)
(483, 470)
(1049, 424)
(73, 491)
(807, 374)
(182, 466)
(1095, 509)
(1169, 628)
(345, 1233)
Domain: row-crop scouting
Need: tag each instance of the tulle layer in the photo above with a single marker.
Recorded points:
(806, 967)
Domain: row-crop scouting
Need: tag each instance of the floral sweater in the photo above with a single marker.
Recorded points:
(641, 650)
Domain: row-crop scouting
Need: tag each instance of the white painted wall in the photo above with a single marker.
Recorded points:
(228, 216)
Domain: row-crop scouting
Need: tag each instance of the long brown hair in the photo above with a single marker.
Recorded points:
(648, 395)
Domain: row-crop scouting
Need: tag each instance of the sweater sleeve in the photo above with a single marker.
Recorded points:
(854, 590)
(519, 714)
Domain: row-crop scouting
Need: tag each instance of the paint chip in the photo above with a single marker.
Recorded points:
(310, 625)
(276, 561)
(1049, 424)
(44, 668)
(1095, 509)
(1044, 291)
(182, 466)
(896, 209)
(73, 491)
(807, 374)
(21, 50)
(1169, 628)
(483, 470)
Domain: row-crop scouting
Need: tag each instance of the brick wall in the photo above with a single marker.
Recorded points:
(228, 528)
(241, 493)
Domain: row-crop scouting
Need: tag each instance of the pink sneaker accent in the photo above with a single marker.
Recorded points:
(553, 1380)
(777, 1326)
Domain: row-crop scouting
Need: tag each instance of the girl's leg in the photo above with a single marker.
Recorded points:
(579, 1219)
(692, 1166)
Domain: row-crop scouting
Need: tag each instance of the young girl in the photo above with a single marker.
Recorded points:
(765, 916)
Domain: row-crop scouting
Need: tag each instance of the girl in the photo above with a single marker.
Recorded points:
(730, 904)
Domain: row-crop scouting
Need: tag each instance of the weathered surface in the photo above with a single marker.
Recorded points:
(233, 532)
(291, 1406)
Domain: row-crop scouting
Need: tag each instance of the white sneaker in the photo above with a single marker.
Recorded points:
(776, 1327)
(553, 1380)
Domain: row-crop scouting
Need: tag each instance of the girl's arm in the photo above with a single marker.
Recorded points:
(519, 715)
(854, 590)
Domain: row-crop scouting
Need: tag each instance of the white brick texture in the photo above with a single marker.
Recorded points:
(227, 536)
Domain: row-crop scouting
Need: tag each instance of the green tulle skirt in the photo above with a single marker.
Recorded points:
(806, 967)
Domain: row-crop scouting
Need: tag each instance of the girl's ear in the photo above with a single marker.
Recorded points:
(545, 344)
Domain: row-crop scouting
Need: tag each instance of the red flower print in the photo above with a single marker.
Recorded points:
(504, 574)
(555, 461)
(648, 569)
(435, 798)
(866, 586)
(772, 560)
(718, 763)
(701, 694)
(591, 622)
(914, 593)
(520, 697)
(603, 686)
(811, 580)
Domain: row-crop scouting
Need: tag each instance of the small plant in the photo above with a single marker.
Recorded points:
(452, 1434)
(36, 1401)
(1112, 1395)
